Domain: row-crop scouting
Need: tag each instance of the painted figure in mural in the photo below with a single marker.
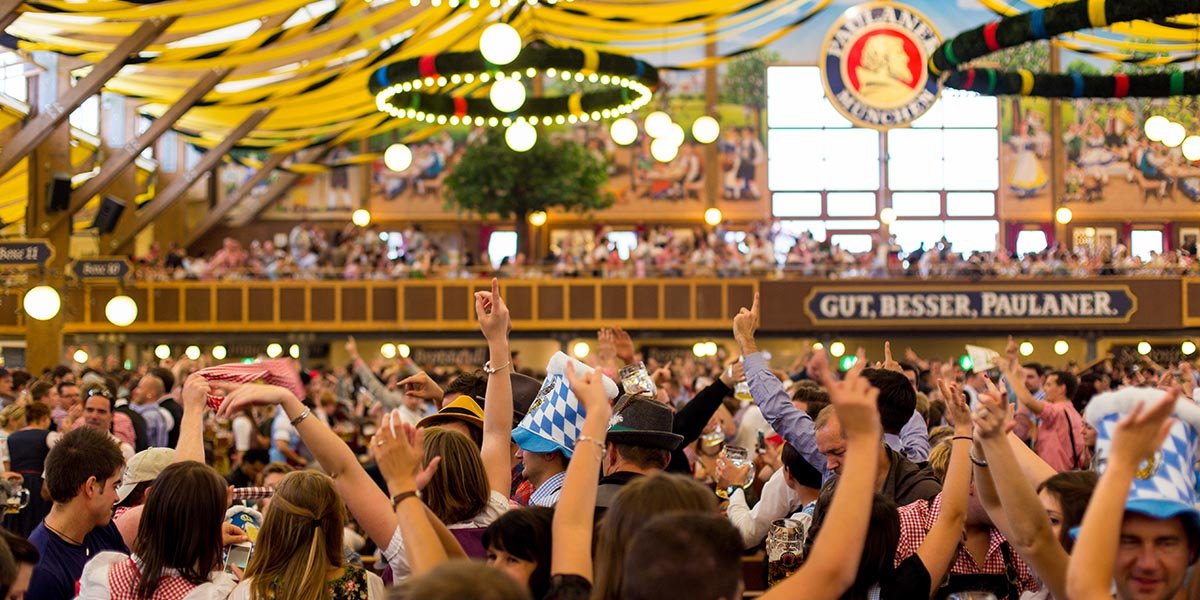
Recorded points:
(884, 75)
(1028, 177)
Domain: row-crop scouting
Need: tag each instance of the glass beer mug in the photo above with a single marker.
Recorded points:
(16, 497)
(785, 549)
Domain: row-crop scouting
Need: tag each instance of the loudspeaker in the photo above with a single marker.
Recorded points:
(58, 193)
(108, 214)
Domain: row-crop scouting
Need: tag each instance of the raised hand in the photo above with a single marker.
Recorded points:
(888, 362)
(993, 418)
(729, 476)
(195, 390)
(860, 361)
(957, 411)
(745, 324)
(399, 450)
(492, 313)
(1012, 351)
(606, 348)
(241, 395)
(1141, 433)
(623, 345)
(352, 348)
(818, 366)
(588, 388)
(856, 404)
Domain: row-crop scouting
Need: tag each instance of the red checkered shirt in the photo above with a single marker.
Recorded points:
(123, 579)
(917, 519)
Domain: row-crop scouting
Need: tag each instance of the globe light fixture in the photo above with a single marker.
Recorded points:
(887, 216)
(192, 352)
(500, 43)
(674, 134)
(1191, 147)
(403, 351)
(698, 349)
(706, 130)
(657, 124)
(520, 136)
(80, 356)
(1173, 135)
(581, 349)
(1061, 347)
(1188, 347)
(361, 217)
(219, 352)
(1154, 127)
(121, 311)
(388, 350)
(818, 346)
(1144, 348)
(294, 351)
(507, 95)
(537, 218)
(398, 157)
(42, 303)
(1063, 215)
(162, 352)
(1026, 348)
(837, 349)
(274, 350)
(663, 150)
(623, 131)
(713, 216)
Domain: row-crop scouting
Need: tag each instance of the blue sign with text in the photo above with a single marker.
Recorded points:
(1105, 304)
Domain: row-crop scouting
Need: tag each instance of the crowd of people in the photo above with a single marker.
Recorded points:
(353, 253)
(622, 478)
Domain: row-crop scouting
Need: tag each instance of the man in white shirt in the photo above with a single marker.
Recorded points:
(790, 492)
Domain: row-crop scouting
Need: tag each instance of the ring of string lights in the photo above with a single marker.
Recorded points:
(1047, 23)
(416, 88)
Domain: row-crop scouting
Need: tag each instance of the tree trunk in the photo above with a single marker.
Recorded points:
(524, 242)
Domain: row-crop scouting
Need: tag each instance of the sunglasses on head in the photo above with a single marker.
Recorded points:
(99, 391)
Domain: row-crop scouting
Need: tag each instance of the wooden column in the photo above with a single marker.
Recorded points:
(1058, 156)
(44, 339)
(712, 158)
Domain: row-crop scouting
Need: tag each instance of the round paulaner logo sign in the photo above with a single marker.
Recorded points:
(875, 65)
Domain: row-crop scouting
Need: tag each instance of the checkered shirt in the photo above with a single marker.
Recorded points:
(123, 578)
(252, 493)
(272, 372)
(917, 519)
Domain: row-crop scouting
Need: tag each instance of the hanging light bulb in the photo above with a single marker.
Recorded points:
(388, 350)
(1191, 147)
(1144, 348)
(837, 349)
(887, 216)
(657, 124)
(1063, 215)
(537, 218)
(581, 349)
(663, 150)
(1173, 135)
(713, 216)
(162, 352)
(1154, 127)
(1026, 348)
(219, 352)
(623, 131)
(706, 129)
(674, 135)
(361, 217)
(500, 44)
(274, 350)
(698, 349)
(398, 157)
(1188, 347)
(1061, 347)
(80, 356)
(507, 95)
(121, 311)
(192, 352)
(42, 303)
(403, 351)
(294, 351)
(520, 136)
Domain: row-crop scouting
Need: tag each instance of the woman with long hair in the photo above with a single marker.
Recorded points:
(298, 554)
(179, 554)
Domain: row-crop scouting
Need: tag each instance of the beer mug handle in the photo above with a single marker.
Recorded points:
(24, 496)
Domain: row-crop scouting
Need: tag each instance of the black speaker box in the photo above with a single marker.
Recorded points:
(108, 214)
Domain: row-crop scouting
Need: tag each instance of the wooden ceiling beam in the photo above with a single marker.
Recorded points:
(179, 187)
(38, 129)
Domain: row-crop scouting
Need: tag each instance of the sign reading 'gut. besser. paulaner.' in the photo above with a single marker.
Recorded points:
(1115, 304)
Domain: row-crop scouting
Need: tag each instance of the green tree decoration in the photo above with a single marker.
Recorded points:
(491, 179)
(745, 83)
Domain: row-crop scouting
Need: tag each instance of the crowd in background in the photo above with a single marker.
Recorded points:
(352, 253)
(884, 479)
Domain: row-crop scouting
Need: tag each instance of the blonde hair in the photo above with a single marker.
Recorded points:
(939, 458)
(13, 414)
(459, 489)
(300, 540)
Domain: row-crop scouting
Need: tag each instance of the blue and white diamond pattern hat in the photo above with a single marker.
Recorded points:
(1164, 486)
(555, 418)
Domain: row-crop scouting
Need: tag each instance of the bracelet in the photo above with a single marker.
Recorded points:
(976, 461)
(587, 438)
(402, 496)
(487, 367)
(962, 437)
(300, 417)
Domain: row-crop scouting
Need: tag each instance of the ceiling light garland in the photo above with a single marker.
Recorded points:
(417, 88)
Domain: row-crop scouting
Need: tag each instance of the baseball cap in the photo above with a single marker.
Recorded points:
(144, 466)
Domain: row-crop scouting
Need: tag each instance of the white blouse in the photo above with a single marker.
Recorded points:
(93, 584)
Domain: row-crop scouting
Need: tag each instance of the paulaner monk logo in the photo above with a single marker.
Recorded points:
(875, 65)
